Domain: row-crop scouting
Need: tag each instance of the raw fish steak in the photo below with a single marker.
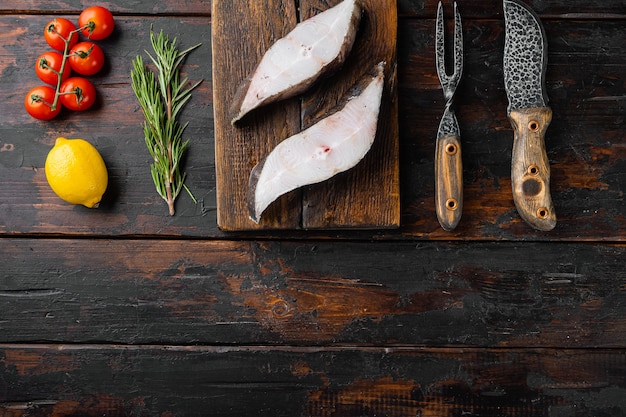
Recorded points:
(332, 145)
(292, 64)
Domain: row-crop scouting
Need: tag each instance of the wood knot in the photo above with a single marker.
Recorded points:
(531, 187)
(280, 308)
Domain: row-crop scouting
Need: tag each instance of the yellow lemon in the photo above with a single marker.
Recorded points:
(76, 172)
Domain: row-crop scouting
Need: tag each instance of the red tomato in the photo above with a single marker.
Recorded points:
(48, 66)
(78, 93)
(38, 103)
(57, 31)
(86, 58)
(96, 22)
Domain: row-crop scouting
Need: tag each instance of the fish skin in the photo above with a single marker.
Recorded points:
(255, 91)
(325, 154)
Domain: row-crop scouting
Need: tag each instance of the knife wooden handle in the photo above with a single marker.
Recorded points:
(530, 168)
(448, 181)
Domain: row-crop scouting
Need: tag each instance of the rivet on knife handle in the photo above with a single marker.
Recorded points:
(530, 168)
(448, 162)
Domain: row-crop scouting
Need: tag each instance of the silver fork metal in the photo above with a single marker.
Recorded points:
(448, 161)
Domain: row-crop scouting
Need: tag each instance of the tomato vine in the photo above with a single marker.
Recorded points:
(85, 58)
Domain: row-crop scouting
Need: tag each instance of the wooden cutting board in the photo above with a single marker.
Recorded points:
(365, 197)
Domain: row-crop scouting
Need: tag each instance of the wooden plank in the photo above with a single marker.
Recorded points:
(367, 196)
(53, 380)
(478, 9)
(117, 7)
(489, 9)
(242, 32)
(131, 204)
(312, 293)
(585, 141)
(324, 323)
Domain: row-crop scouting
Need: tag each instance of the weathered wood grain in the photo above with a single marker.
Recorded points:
(108, 313)
(585, 141)
(320, 293)
(365, 197)
(448, 181)
(241, 33)
(530, 168)
(477, 9)
(117, 7)
(486, 9)
(54, 380)
(114, 127)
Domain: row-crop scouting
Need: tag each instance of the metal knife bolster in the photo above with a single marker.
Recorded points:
(448, 172)
(530, 168)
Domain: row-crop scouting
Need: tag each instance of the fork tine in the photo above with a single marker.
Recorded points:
(458, 43)
(449, 82)
(440, 45)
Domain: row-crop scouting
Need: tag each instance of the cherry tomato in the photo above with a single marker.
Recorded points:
(96, 22)
(86, 58)
(38, 103)
(57, 31)
(48, 65)
(78, 93)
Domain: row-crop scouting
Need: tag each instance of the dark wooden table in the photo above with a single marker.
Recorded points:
(126, 311)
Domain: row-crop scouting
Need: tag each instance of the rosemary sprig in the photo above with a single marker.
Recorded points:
(162, 97)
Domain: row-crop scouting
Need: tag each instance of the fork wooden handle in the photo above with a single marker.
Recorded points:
(448, 181)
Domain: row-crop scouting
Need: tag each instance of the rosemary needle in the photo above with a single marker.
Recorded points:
(162, 97)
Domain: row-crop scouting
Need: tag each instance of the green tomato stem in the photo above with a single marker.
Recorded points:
(66, 55)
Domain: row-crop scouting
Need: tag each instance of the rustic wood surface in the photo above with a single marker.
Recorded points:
(372, 381)
(125, 310)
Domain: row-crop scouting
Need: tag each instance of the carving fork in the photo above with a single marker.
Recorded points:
(448, 162)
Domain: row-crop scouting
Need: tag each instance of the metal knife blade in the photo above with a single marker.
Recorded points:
(525, 62)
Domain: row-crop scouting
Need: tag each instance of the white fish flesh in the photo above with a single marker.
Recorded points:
(292, 64)
(332, 145)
